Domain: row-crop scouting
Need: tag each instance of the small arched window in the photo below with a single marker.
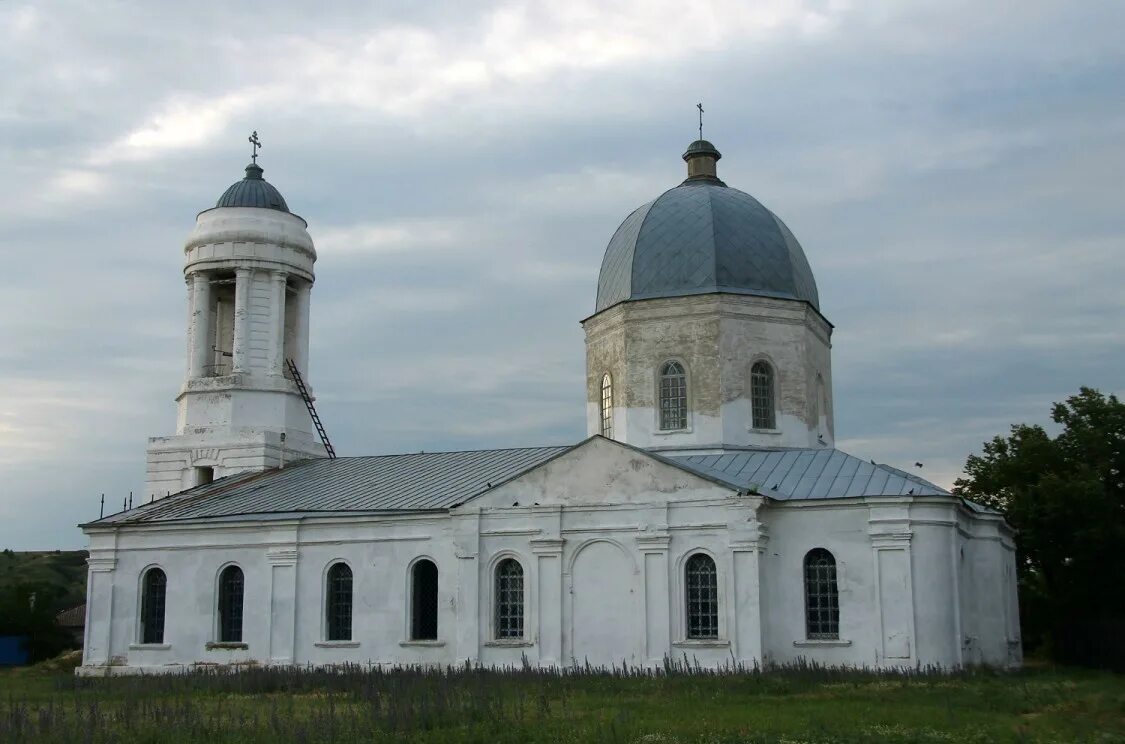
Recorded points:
(607, 406)
(339, 603)
(761, 396)
(509, 599)
(822, 599)
(154, 589)
(424, 601)
(702, 583)
(231, 585)
(673, 397)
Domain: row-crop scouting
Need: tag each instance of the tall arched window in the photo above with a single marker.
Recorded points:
(423, 601)
(673, 397)
(231, 586)
(154, 589)
(761, 396)
(822, 599)
(509, 599)
(702, 583)
(607, 406)
(338, 599)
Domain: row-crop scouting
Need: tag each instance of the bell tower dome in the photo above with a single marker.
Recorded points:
(249, 273)
(707, 332)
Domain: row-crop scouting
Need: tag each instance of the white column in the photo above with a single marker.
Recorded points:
(190, 282)
(301, 327)
(277, 310)
(242, 279)
(200, 325)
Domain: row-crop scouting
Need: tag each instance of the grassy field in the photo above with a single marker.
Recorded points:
(791, 705)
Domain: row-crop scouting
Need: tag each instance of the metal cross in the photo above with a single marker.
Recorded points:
(253, 138)
(700, 107)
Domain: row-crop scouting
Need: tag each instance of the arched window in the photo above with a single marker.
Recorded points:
(822, 599)
(607, 406)
(423, 601)
(509, 599)
(673, 397)
(701, 581)
(154, 589)
(231, 585)
(339, 603)
(761, 396)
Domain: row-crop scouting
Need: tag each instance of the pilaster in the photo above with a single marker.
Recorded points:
(748, 541)
(653, 546)
(282, 560)
(548, 552)
(466, 548)
(889, 530)
(97, 647)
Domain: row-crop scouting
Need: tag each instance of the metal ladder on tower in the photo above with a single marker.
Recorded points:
(312, 409)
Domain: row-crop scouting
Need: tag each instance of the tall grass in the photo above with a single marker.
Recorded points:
(676, 703)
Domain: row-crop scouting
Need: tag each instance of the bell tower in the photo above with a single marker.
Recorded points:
(249, 273)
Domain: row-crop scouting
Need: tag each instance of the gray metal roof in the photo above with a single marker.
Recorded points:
(436, 481)
(786, 474)
(422, 481)
(253, 191)
(702, 237)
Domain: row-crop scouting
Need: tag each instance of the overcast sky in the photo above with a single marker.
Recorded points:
(953, 170)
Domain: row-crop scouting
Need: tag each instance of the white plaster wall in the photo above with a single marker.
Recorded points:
(888, 619)
(602, 533)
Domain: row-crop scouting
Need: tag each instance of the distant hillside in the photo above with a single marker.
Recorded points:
(64, 570)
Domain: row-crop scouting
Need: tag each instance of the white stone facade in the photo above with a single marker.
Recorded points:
(717, 338)
(921, 581)
(249, 274)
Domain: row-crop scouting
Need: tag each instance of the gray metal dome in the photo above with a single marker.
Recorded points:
(703, 237)
(253, 191)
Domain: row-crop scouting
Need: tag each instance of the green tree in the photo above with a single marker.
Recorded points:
(1065, 495)
(29, 610)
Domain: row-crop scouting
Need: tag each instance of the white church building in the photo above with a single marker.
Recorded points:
(707, 517)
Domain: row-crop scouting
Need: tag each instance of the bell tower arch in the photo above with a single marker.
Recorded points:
(249, 274)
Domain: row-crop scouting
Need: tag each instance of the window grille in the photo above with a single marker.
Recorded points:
(339, 600)
(761, 396)
(607, 407)
(153, 593)
(822, 599)
(509, 599)
(702, 582)
(230, 605)
(424, 603)
(673, 397)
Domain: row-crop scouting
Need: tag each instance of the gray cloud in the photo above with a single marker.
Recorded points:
(952, 169)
